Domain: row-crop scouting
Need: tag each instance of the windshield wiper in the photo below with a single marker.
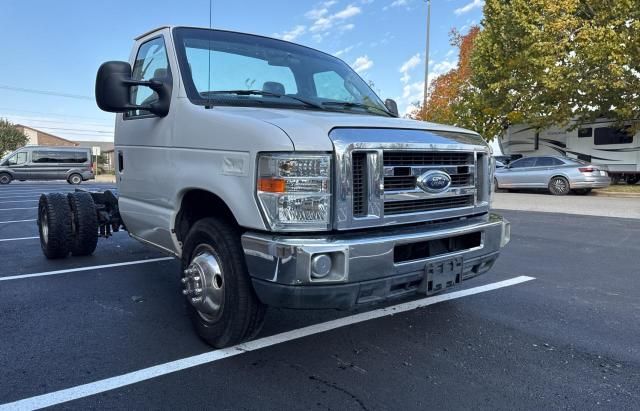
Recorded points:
(261, 93)
(349, 104)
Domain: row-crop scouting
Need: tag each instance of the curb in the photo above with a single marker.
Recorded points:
(618, 194)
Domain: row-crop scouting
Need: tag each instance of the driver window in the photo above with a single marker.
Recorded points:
(151, 62)
(19, 158)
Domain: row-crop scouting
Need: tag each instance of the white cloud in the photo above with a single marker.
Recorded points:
(409, 65)
(323, 21)
(397, 3)
(362, 64)
(475, 4)
(292, 34)
(442, 67)
(343, 51)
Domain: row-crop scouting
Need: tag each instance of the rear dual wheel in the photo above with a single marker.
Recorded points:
(67, 224)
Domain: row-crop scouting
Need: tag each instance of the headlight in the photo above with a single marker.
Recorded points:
(294, 191)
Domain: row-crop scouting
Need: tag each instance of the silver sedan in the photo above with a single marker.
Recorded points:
(559, 175)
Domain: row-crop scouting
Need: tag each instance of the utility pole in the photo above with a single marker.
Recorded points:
(426, 57)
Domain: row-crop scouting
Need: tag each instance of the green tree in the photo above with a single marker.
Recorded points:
(10, 137)
(547, 62)
(544, 62)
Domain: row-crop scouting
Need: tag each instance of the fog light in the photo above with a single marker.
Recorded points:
(320, 266)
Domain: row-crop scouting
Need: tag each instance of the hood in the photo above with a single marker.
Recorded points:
(309, 130)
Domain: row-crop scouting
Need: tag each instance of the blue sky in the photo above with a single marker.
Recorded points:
(57, 46)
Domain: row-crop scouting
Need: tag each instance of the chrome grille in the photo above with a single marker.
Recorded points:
(377, 169)
(402, 183)
(416, 206)
(419, 158)
(359, 187)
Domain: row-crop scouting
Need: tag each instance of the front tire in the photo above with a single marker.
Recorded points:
(54, 224)
(583, 191)
(221, 301)
(559, 186)
(74, 179)
(5, 178)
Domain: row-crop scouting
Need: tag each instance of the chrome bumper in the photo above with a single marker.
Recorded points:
(366, 266)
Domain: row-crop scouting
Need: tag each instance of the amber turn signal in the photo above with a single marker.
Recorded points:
(272, 185)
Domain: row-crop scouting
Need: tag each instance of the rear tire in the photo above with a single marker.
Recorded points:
(5, 178)
(229, 312)
(559, 186)
(54, 225)
(631, 180)
(84, 224)
(74, 179)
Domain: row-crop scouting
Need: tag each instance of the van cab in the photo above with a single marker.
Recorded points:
(72, 164)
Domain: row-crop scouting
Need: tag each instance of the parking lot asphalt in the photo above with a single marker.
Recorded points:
(567, 339)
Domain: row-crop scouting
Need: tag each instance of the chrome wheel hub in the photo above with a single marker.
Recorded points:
(203, 284)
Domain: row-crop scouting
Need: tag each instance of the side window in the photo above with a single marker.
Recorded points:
(524, 162)
(330, 86)
(610, 135)
(548, 162)
(151, 62)
(585, 132)
(17, 159)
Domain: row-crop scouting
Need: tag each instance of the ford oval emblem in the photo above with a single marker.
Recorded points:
(434, 181)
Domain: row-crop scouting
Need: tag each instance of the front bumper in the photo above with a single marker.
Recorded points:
(369, 266)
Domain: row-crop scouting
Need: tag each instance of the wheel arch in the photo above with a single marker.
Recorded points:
(198, 203)
(559, 175)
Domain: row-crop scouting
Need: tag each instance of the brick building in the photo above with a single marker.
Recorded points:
(40, 138)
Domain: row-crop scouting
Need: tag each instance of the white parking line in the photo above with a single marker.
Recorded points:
(32, 196)
(19, 201)
(108, 384)
(89, 268)
(17, 239)
(23, 208)
(16, 221)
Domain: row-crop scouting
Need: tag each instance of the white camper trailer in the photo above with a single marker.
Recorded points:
(599, 143)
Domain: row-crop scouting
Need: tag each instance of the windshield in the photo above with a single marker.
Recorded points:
(219, 68)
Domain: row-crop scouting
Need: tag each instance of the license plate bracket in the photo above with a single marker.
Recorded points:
(443, 274)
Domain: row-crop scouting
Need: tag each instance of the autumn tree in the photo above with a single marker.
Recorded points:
(445, 91)
(10, 137)
(543, 62)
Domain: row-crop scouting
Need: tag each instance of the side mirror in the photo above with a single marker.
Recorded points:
(113, 90)
(392, 106)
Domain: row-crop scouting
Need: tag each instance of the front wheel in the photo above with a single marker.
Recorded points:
(74, 179)
(221, 301)
(5, 178)
(559, 186)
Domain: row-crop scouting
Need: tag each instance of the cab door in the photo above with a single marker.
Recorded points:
(19, 165)
(144, 151)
